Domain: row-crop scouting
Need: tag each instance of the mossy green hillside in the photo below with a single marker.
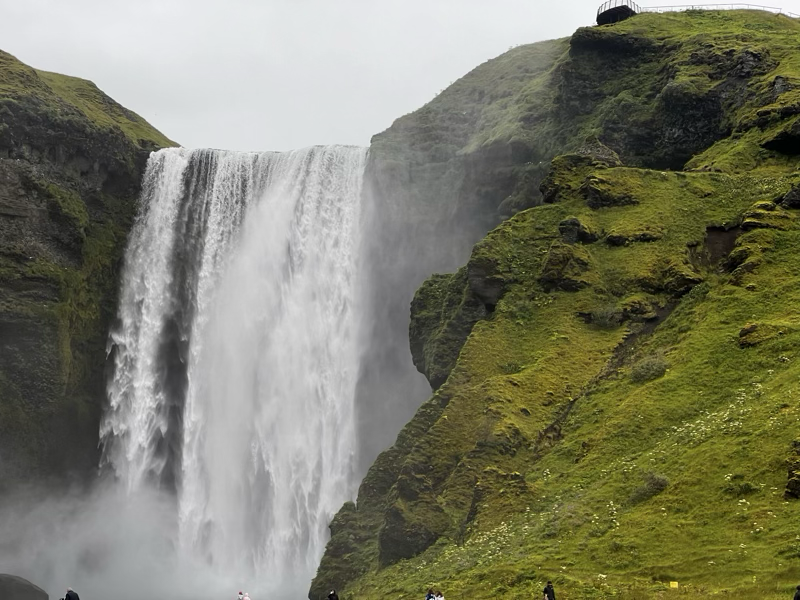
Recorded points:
(611, 457)
(634, 310)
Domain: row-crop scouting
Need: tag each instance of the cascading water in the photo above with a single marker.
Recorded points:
(235, 357)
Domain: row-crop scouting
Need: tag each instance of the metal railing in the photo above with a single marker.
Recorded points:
(684, 7)
(611, 4)
(618, 3)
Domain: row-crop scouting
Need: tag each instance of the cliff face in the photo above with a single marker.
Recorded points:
(432, 191)
(613, 368)
(71, 161)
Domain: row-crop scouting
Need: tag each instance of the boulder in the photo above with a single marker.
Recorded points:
(17, 588)
(573, 231)
(599, 153)
(792, 491)
(792, 198)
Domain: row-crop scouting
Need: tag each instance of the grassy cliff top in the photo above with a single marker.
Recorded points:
(520, 97)
(66, 95)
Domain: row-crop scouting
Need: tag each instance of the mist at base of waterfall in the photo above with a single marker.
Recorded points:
(110, 544)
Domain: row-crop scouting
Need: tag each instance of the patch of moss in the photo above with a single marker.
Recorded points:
(70, 205)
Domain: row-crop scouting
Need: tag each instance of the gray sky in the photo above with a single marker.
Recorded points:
(278, 74)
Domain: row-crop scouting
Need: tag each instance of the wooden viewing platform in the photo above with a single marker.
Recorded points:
(614, 11)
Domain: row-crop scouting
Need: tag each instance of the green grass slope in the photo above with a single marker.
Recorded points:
(67, 98)
(621, 413)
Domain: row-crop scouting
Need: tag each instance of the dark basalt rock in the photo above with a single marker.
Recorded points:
(573, 231)
(792, 491)
(443, 313)
(592, 39)
(787, 141)
(599, 153)
(485, 281)
(17, 588)
(792, 198)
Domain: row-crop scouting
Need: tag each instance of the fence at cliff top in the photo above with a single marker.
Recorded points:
(611, 4)
(636, 9)
(683, 7)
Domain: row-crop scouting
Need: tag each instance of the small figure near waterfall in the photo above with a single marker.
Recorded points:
(71, 594)
(439, 595)
(430, 595)
(549, 593)
(797, 593)
(240, 596)
(333, 595)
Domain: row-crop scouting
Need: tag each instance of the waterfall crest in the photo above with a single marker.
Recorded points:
(235, 357)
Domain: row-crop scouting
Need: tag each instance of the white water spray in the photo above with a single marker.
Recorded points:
(235, 353)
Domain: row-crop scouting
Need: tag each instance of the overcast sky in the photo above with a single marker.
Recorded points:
(278, 74)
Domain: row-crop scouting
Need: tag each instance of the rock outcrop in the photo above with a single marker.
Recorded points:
(17, 588)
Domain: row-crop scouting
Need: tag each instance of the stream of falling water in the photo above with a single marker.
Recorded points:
(235, 357)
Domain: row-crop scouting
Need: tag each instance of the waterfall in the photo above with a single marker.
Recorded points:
(234, 354)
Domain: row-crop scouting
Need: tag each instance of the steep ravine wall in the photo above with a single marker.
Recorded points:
(71, 161)
(565, 313)
(429, 198)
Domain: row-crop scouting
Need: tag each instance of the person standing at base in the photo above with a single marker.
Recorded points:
(71, 595)
(797, 593)
(333, 595)
(548, 593)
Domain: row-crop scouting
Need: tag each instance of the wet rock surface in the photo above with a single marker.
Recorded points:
(17, 588)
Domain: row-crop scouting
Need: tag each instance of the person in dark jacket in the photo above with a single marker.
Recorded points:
(548, 593)
(71, 595)
(797, 593)
(333, 595)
